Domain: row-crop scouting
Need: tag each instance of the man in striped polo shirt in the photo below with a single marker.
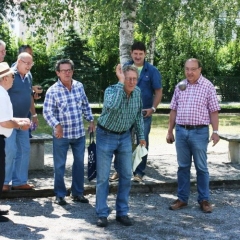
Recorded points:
(122, 109)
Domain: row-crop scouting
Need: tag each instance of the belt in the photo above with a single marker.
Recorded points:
(110, 131)
(189, 127)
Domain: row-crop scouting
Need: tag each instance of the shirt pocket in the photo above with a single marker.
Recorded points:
(63, 107)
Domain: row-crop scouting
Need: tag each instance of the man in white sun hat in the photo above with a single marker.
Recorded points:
(7, 122)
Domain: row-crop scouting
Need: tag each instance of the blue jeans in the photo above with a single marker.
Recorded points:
(192, 144)
(17, 151)
(107, 143)
(141, 167)
(60, 148)
(147, 128)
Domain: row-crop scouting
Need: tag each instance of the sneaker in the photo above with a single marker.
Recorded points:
(60, 201)
(114, 177)
(205, 206)
(176, 205)
(138, 178)
(124, 220)
(80, 198)
(102, 222)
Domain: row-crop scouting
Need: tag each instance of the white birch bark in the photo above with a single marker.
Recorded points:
(152, 48)
(128, 17)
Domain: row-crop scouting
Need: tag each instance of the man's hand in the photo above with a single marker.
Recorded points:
(58, 131)
(23, 123)
(91, 127)
(37, 90)
(170, 138)
(143, 143)
(147, 112)
(120, 74)
(215, 138)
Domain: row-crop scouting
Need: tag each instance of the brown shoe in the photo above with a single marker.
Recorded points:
(177, 205)
(23, 187)
(114, 177)
(206, 206)
(6, 188)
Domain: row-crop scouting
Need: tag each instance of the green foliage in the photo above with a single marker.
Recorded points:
(7, 37)
(85, 69)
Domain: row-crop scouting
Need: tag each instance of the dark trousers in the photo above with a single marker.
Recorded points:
(2, 162)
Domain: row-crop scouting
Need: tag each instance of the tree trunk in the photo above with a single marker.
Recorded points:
(128, 17)
(152, 48)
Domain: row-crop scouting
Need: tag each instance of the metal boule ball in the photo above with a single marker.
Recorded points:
(182, 85)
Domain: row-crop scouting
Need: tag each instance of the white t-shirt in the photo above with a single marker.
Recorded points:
(6, 111)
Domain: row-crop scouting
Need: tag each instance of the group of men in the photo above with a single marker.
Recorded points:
(127, 105)
(16, 102)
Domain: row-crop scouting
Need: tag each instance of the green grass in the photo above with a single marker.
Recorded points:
(227, 122)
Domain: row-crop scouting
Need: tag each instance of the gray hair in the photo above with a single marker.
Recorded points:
(23, 55)
(128, 68)
(2, 43)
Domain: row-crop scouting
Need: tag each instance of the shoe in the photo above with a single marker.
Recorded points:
(4, 212)
(3, 219)
(23, 187)
(102, 222)
(60, 201)
(6, 188)
(177, 205)
(80, 198)
(124, 220)
(205, 206)
(138, 178)
(114, 177)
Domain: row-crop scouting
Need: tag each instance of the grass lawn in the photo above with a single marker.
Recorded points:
(228, 123)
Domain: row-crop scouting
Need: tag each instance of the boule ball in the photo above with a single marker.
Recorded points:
(182, 85)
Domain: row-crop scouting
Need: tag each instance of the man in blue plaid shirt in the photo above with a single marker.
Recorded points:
(64, 107)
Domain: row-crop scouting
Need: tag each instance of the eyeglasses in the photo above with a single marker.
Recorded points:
(66, 70)
(131, 79)
(27, 63)
(191, 69)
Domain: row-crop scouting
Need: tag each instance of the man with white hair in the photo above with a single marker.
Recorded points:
(17, 145)
(7, 121)
(2, 50)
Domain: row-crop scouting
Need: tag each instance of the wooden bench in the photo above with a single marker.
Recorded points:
(233, 146)
(37, 150)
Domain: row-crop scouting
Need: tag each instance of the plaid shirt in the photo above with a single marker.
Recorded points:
(119, 112)
(67, 108)
(195, 103)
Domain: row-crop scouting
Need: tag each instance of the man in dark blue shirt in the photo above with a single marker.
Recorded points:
(150, 83)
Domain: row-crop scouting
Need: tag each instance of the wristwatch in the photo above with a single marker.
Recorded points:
(154, 109)
(215, 132)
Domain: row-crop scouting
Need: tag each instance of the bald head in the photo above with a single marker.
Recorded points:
(24, 63)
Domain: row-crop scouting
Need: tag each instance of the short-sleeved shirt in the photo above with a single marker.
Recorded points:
(195, 104)
(6, 112)
(20, 94)
(149, 80)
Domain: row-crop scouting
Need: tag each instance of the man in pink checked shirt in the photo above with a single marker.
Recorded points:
(193, 109)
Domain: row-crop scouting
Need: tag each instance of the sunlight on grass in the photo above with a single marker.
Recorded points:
(228, 123)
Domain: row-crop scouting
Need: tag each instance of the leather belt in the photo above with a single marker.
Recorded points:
(110, 131)
(189, 127)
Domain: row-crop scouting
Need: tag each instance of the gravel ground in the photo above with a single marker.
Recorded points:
(42, 219)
